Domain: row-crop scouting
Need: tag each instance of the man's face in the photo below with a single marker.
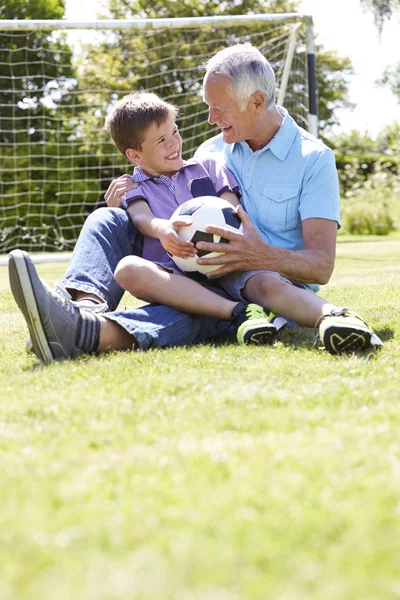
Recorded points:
(225, 111)
(161, 152)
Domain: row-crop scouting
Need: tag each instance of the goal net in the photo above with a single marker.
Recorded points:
(59, 79)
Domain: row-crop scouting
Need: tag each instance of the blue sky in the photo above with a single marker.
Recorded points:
(340, 25)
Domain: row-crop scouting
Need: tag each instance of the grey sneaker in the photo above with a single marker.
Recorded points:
(258, 327)
(97, 308)
(344, 331)
(54, 323)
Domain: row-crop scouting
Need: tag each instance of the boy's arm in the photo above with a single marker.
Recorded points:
(162, 229)
(143, 218)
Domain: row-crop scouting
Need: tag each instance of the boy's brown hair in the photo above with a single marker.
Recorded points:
(132, 116)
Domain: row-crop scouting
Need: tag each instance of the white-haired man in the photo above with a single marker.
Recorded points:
(290, 215)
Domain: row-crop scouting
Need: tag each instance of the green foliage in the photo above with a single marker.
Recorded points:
(368, 216)
(122, 9)
(30, 101)
(369, 176)
(333, 75)
(391, 78)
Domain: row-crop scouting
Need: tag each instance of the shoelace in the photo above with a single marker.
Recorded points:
(255, 311)
(67, 304)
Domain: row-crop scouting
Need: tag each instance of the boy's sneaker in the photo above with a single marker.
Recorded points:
(255, 325)
(344, 331)
(57, 328)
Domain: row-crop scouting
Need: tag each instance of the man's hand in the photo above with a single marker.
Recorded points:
(117, 189)
(245, 251)
(171, 242)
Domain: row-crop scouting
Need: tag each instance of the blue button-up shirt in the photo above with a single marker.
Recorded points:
(291, 179)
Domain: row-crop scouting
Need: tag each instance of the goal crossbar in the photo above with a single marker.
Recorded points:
(165, 23)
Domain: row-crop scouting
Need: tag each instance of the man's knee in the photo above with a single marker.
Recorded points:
(104, 217)
(270, 282)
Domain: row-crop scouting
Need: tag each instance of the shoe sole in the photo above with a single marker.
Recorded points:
(260, 338)
(338, 340)
(23, 292)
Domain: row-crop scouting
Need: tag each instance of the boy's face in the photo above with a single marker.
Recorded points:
(161, 152)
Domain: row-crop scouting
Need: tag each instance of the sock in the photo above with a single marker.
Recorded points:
(88, 332)
(239, 313)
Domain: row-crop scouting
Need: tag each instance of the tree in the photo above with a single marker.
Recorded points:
(333, 74)
(391, 78)
(381, 9)
(37, 72)
(27, 100)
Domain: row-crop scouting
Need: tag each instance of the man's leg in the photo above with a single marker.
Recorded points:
(60, 329)
(106, 237)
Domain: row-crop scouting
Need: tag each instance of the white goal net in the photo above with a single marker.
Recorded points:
(58, 80)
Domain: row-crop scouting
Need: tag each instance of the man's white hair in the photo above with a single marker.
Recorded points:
(248, 71)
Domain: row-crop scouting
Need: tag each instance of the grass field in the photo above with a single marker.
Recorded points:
(207, 473)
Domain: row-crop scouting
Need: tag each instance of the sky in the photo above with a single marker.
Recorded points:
(344, 26)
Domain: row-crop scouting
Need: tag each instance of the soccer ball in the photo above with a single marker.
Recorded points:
(203, 211)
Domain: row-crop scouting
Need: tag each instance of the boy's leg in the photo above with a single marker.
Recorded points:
(144, 279)
(106, 237)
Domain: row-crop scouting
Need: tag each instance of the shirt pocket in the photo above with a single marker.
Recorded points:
(280, 206)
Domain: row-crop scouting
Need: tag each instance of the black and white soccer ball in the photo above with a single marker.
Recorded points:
(203, 211)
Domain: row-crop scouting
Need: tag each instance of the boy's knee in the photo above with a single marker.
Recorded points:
(129, 272)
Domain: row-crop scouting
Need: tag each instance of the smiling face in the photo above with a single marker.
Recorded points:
(225, 111)
(161, 151)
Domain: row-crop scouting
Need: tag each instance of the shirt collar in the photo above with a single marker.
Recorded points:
(282, 140)
(139, 175)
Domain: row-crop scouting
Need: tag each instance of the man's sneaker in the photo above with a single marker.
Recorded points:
(90, 305)
(344, 331)
(57, 328)
(256, 326)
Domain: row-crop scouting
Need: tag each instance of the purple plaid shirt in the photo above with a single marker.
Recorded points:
(206, 177)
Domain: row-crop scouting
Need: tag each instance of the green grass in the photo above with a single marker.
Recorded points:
(207, 473)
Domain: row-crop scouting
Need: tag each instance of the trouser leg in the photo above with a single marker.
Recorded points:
(158, 326)
(106, 237)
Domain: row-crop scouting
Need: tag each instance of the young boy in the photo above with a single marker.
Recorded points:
(143, 128)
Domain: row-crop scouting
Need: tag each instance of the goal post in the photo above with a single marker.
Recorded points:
(60, 78)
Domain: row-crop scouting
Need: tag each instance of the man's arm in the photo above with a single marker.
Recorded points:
(117, 189)
(247, 251)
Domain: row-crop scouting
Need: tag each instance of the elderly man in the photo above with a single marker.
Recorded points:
(290, 219)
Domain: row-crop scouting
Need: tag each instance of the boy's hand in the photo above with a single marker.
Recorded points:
(171, 242)
(117, 189)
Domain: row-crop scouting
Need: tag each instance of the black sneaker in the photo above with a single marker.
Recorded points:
(344, 331)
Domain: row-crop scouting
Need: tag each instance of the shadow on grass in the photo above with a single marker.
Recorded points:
(301, 338)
